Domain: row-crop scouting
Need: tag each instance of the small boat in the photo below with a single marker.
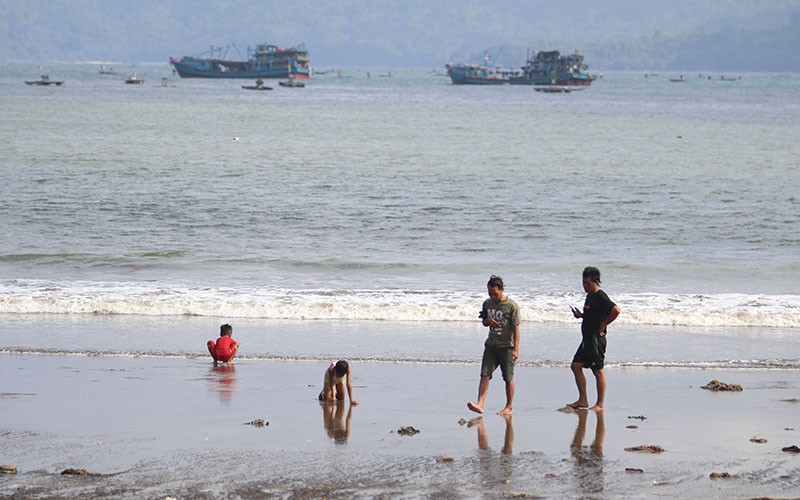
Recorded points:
(291, 82)
(680, 79)
(258, 86)
(44, 81)
(133, 80)
(558, 89)
(107, 71)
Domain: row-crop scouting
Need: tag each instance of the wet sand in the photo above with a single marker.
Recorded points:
(154, 427)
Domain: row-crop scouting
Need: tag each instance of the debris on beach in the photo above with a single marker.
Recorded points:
(716, 386)
(647, 448)
(531, 452)
(791, 449)
(788, 428)
(550, 475)
(631, 470)
(407, 431)
(631, 426)
(638, 417)
(78, 472)
(462, 422)
(719, 475)
(8, 469)
(792, 400)
(257, 423)
(758, 440)
(444, 460)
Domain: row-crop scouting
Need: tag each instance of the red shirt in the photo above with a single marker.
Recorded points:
(225, 348)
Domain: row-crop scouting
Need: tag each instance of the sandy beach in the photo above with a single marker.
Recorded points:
(153, 427)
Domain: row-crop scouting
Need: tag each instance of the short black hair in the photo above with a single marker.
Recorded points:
(341, 368)
(495, 281)
(592, 273)
(225, 329)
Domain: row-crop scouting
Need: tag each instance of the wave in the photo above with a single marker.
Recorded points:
(750, 364)
(155, 299)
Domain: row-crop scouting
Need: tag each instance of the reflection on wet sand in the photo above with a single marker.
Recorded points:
(222, 380)
(336, 424)
(495, 470)
(589, 460)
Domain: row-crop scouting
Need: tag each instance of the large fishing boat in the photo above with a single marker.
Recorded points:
(266, 61)
(545, 68)
(551, 68)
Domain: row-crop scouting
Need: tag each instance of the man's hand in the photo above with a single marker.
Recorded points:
(576, 312)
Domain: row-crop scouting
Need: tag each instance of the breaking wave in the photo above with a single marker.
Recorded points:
(155, 299)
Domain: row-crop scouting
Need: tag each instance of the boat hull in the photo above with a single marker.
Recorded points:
(188, 71)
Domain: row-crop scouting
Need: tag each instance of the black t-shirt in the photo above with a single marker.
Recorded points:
(595, 310)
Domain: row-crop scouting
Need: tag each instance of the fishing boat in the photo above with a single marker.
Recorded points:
(134, 80)
(548, 68)
(678, 80)
(558, 89)
(258, 86)
(292, 82)
(265, 61)
(553, 69)
(107, 70)
(45, 80)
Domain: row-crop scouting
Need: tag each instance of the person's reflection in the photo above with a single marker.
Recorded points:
(336, 424)
(495, 470)
(589, 461)
(483, 438)
(223, 381)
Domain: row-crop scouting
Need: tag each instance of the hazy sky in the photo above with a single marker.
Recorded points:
(367, 32)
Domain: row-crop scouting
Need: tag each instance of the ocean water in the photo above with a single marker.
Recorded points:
(367, 203)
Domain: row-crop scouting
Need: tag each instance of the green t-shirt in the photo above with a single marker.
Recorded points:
(507, 314)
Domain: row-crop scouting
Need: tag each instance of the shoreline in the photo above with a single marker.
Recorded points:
(156, 427)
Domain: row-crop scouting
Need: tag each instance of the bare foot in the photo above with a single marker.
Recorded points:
(597, 408)
(472, 406)
(505, 411)
(578, 404)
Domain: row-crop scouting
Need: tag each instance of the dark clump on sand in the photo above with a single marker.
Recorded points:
(78, 472)
(632, 470)
(443, 460)
(719, 475)
(758, 440)
(8, 469)
(638, 417)
(716, 386)
(791, 449)
(647, 448)
(407, 431)
(257, 423)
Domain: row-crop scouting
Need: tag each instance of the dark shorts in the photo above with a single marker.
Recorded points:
(591, 353)
(498, 356)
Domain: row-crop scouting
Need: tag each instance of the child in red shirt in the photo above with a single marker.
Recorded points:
(225, 348)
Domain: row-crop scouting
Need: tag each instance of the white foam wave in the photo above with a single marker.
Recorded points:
(150, 299)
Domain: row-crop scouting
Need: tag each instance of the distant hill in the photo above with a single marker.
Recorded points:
(613, 34)
(727, 50)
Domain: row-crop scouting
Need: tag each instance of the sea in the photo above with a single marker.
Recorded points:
(362, 215)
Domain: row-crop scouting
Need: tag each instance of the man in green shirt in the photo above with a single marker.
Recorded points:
(501, 315)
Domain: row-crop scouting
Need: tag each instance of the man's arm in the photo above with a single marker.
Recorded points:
(612, 315)
(515, 353)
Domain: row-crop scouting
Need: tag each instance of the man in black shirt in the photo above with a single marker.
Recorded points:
(598, 312)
